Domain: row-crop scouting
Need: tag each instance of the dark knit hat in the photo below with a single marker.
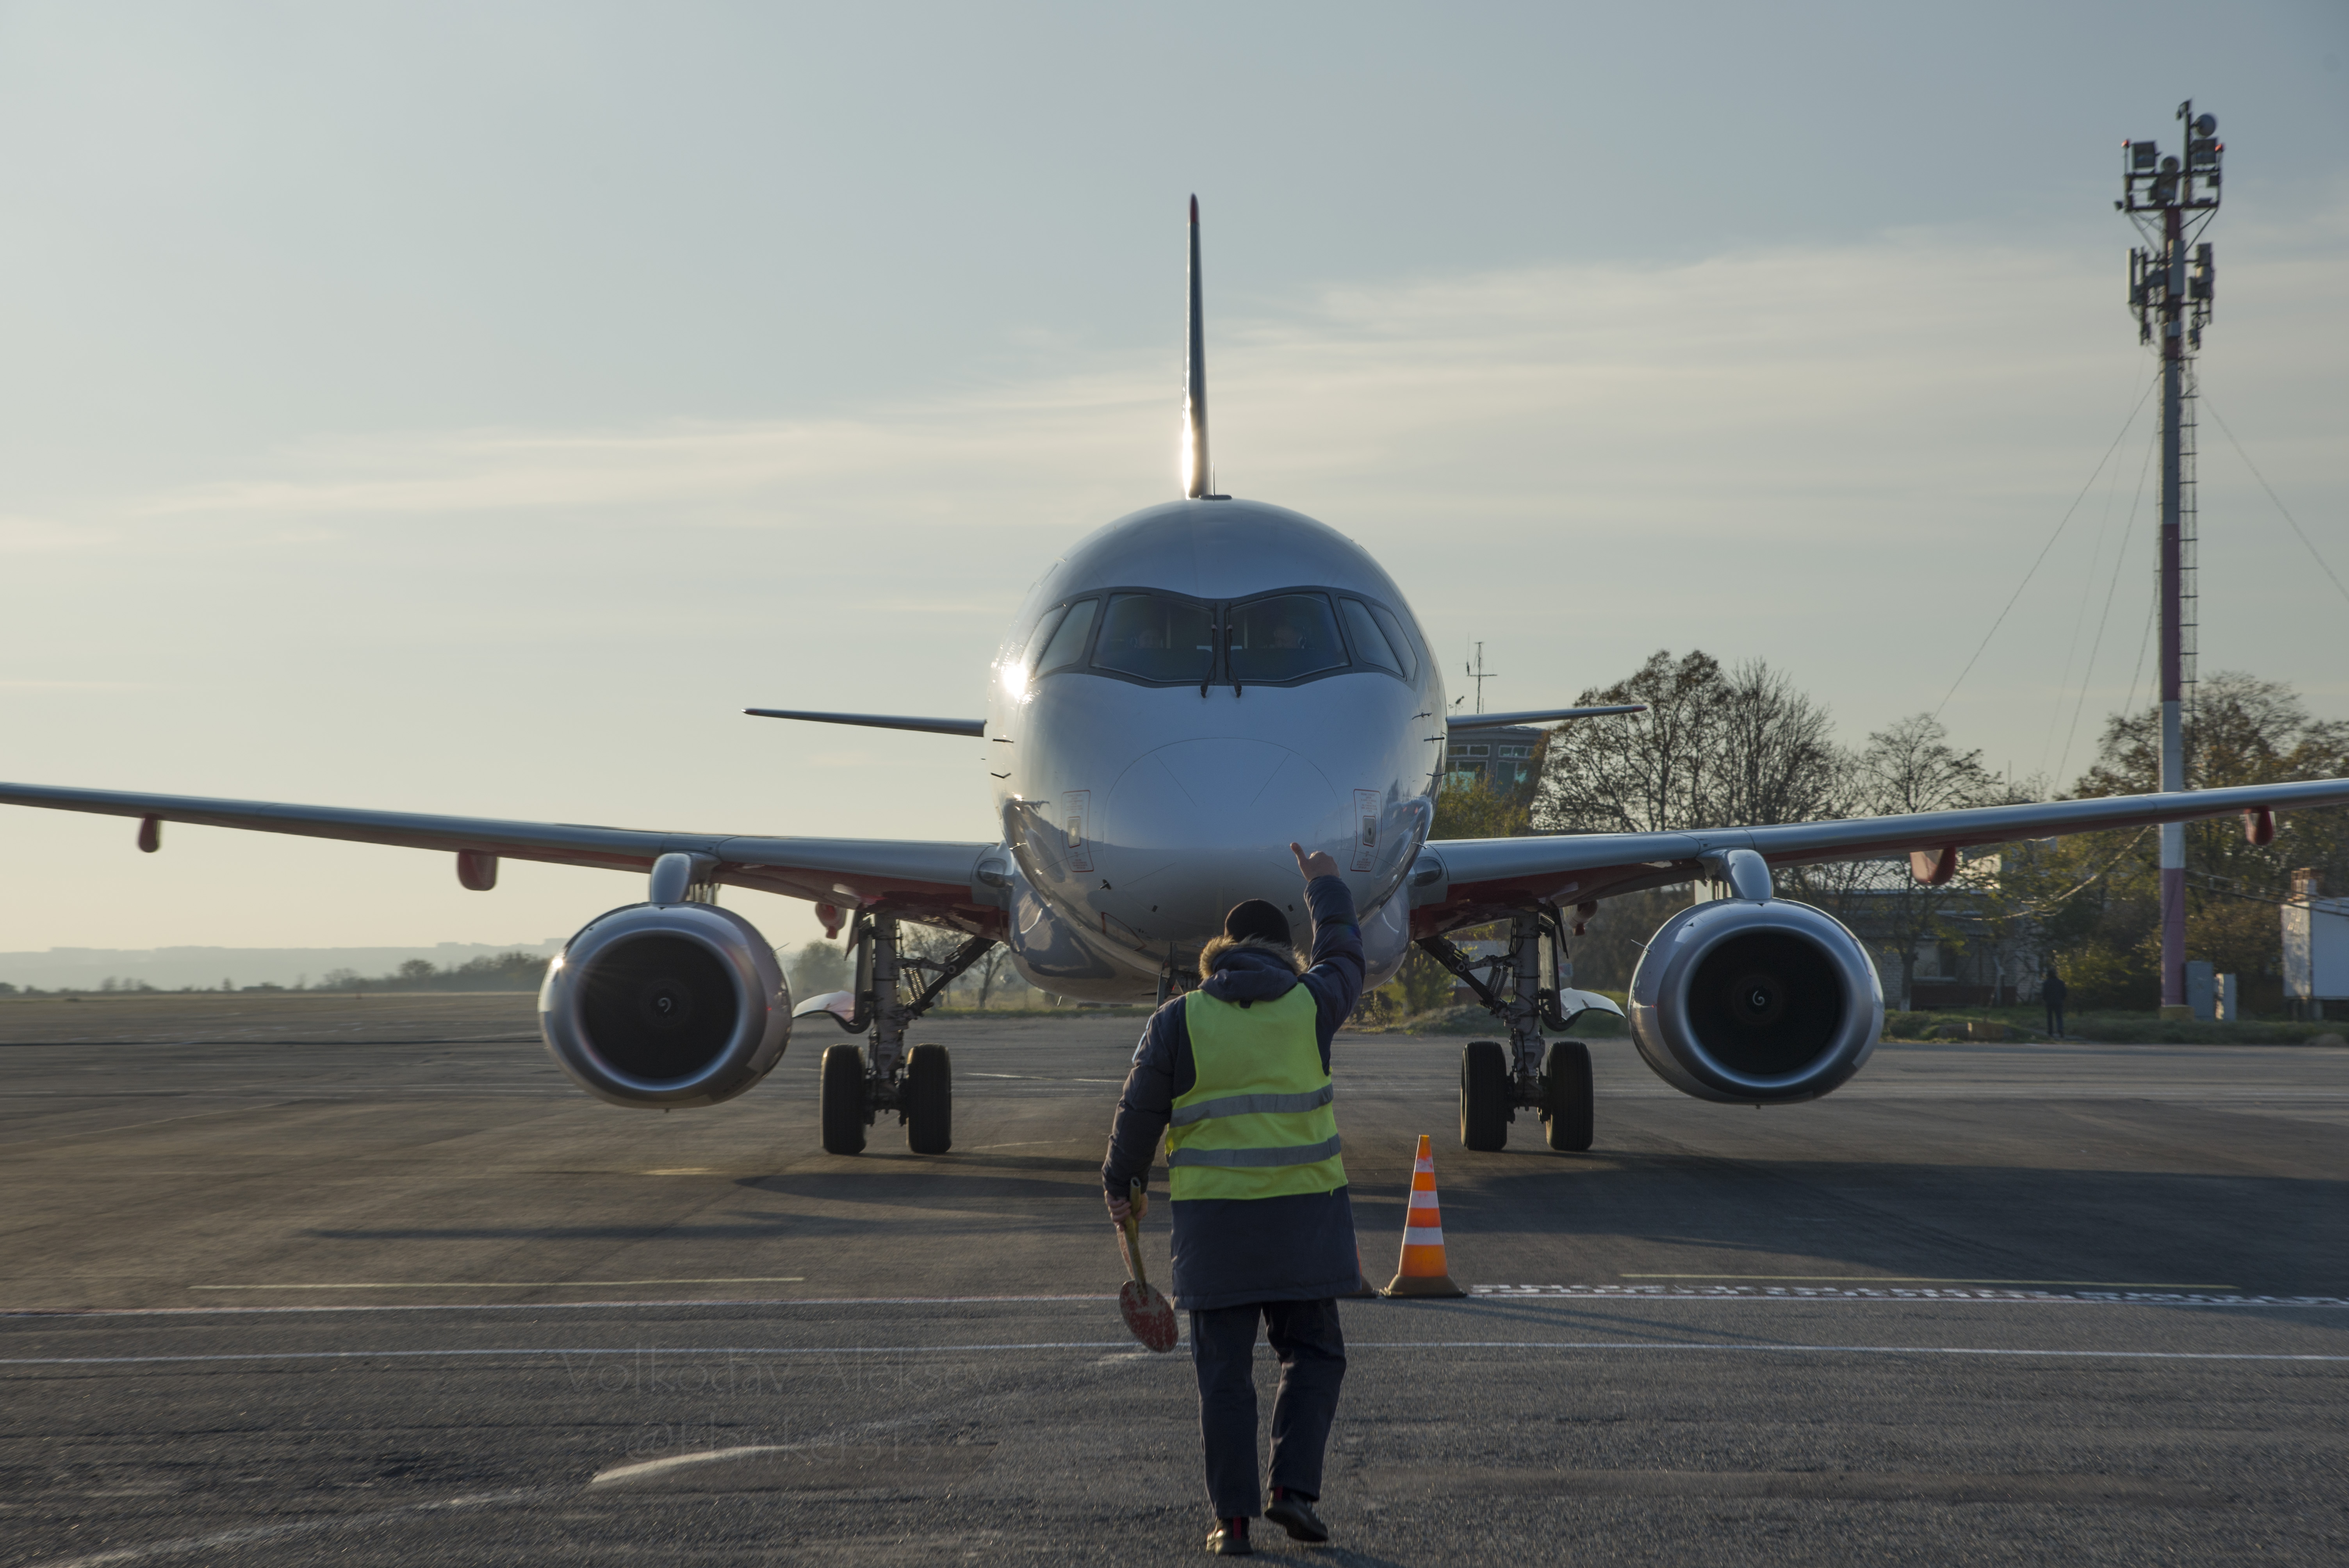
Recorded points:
(1258, 918)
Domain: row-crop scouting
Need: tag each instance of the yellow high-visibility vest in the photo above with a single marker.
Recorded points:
(1258, 1121)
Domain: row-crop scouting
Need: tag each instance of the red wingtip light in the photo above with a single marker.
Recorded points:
(1195, 209)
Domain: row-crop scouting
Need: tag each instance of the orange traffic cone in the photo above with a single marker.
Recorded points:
(1422, 1271)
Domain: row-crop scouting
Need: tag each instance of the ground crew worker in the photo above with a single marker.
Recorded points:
(1263, 1226)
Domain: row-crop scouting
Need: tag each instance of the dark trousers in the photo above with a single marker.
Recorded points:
(2055, 1017)
(1305, 1336)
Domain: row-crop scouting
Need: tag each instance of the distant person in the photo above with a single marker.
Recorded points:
(1263, 1225)
(2051, 992)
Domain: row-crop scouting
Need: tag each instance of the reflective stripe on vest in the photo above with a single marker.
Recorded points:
(1258, 1120)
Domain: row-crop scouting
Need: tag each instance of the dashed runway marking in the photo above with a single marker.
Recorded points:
(1890, 1293)
(1930, 1279)
(1477, 1292)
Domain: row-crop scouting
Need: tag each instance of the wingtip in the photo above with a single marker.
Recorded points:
(1195, 210)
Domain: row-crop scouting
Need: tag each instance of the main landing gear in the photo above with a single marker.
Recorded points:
(1497, 1081)
(917, 1084)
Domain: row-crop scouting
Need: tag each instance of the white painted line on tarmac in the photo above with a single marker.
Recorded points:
(542, 1305)
(1042, 1078)
(690, 1351)
(510, 1284)
(680, 1462)
(647, 1351)
(222, 1540)
(136, 1126)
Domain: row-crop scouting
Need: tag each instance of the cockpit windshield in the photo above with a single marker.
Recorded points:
(1062, 635)
(1283, 638)
(1277, 640)
(1157, 638)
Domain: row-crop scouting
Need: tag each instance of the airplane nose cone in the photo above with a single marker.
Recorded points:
(1196, 826)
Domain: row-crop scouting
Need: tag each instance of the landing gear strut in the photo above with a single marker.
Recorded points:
(1552, 1079)
(918, 1085)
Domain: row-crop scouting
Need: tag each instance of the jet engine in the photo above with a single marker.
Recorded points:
(1756, 1002)
(666, 1005)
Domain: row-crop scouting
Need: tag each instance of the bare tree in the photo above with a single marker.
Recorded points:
(1642, 773)
(1778, 760)
(1715, 747)
(996, 965)
(1907, 767)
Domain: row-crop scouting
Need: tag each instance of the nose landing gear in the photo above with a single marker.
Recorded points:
(918, 1085)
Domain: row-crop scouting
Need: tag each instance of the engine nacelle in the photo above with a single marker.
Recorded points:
(666, 1005)
(1755, 1003)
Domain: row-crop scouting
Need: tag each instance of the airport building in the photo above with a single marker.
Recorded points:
(1509, 759)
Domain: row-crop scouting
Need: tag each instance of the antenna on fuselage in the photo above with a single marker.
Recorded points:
(1198, 478)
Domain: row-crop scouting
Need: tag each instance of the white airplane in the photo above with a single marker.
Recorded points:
(1187, 690)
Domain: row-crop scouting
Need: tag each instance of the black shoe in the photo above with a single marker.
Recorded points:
(1295, 1514)
(1230, 1540)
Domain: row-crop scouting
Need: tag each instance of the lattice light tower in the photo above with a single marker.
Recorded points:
(2172, 281)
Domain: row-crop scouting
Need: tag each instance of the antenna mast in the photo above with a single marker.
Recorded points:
(2172, 282)
(1480, 675)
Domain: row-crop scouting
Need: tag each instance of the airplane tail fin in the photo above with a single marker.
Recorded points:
(1198, 478)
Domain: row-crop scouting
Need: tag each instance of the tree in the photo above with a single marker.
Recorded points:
(994, 967)
(928, 944)
(1716, 748)
(817, 968)
(2102, 891)
(1778, 758)
(1907, 767)
(1477, 811)
(1644, 772)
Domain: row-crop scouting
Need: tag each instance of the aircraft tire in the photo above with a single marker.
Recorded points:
(929, 1100)
(1483, 1096)
(1566, 1098)
(843, 1100)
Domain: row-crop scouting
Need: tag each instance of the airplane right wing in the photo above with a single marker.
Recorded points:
(1457, 880)
(913, 873)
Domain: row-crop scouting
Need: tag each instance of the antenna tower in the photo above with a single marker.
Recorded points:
(1480, 675)
(2172, 282)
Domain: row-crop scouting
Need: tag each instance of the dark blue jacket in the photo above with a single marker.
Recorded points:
(1229, 1252)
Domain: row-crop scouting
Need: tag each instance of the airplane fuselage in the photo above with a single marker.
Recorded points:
(1189, 690)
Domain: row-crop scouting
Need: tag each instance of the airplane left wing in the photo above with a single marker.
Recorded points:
(931, 876)
(1462, 876)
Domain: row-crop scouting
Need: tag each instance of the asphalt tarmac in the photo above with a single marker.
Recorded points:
(297, 1280)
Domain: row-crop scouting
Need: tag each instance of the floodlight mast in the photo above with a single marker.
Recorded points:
(2171, 291)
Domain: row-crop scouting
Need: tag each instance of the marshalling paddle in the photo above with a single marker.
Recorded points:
(1149, 1317)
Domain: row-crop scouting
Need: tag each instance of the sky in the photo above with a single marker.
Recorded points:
(470, 408)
